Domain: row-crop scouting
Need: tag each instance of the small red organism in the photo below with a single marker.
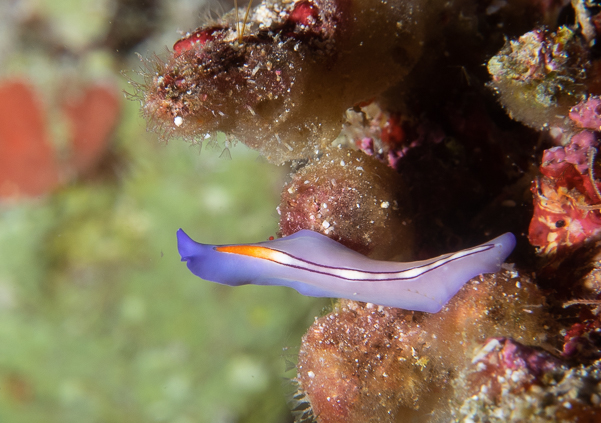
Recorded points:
(583, 340)
(198, 38)
(304, 13)
(563, 218)
(393, 133)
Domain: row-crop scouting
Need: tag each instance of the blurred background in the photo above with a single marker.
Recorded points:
(99, 320)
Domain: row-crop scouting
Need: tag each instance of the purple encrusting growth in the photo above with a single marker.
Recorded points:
(317, 266)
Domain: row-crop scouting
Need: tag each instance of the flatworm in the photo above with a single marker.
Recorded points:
(318, 266)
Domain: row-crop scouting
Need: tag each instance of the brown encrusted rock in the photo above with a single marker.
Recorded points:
(352, 198)
(283, 85)
(366, 363)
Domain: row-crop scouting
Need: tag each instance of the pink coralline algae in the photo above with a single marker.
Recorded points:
(566, 198)
(587, 113)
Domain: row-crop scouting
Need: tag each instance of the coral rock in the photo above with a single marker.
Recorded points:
(502, 358)
(515, 383)
(541, 76)
(281, 85)
(352, 198)
(364, 363)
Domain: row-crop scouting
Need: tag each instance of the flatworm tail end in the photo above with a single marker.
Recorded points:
(442, 278)
(485, 258)
(506, 244)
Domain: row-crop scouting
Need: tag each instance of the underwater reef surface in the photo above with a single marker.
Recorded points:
(402, 145)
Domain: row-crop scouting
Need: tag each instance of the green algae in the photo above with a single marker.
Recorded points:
(99, 319)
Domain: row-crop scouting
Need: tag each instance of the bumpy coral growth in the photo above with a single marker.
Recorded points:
(502, 358)
(540, 76)
(512, 382)
(352, 198)
(364, 363)
(283, 85)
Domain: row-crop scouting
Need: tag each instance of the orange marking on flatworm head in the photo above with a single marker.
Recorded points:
(249, 250)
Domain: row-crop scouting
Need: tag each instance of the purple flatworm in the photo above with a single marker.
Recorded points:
(318, 266)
